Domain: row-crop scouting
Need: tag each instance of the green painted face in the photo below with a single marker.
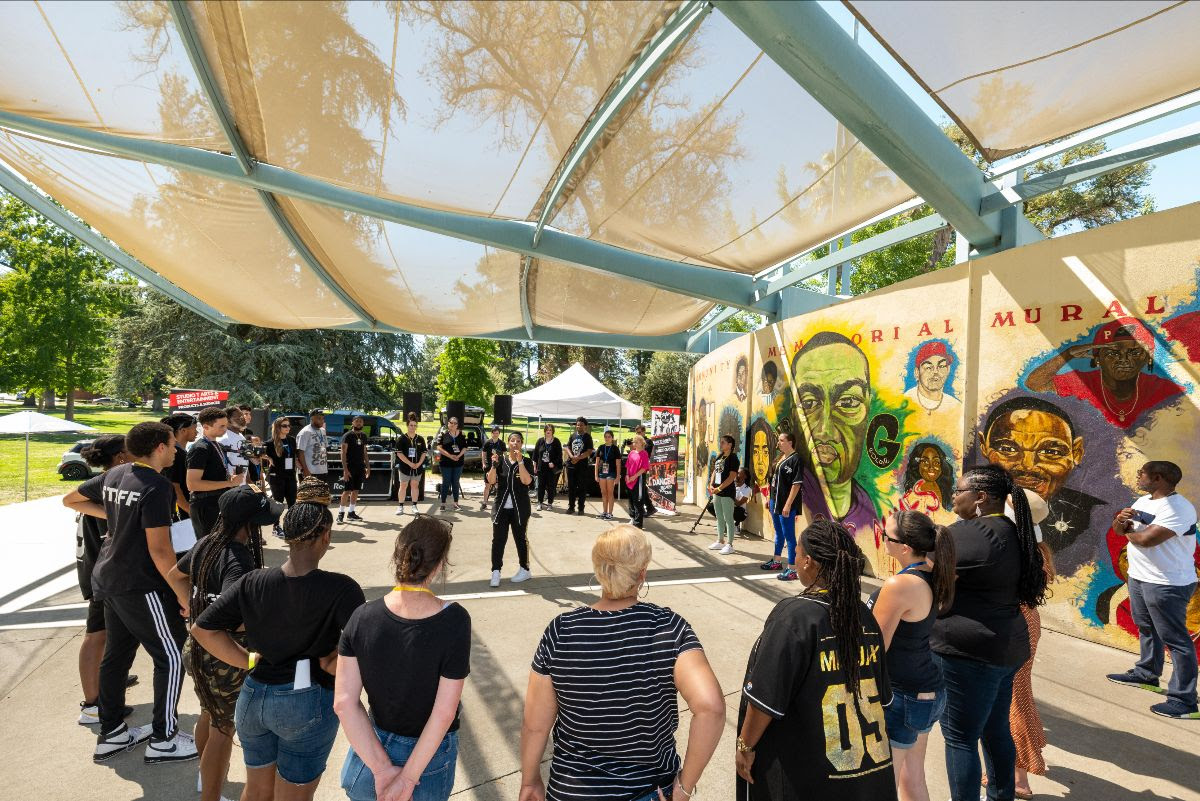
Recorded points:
(832, 385)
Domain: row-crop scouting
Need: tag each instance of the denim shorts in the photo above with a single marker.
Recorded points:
(907, 717)
(291, 729)
(653, 794)
(436, 782)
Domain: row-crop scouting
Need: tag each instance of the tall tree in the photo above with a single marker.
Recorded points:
(463, 371)
(515, 366)
(56, 304)
(666, 381)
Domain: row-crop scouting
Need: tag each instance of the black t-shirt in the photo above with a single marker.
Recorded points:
(287, 618)
(985, 621)
(787, 475)
(722, 470)
(402, 661)
(235, 562)
(280, 456)
(455, 445)
(413, 449)
(548, 453)
(135, 498)
(576, 444)
(177, 474)
(492, 451)
(810, 749)
(210, 457)
(355, 443)
(89, 535)
(607, 457)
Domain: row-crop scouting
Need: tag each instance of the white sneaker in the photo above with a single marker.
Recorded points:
(120, 740)
(728, 549)
(179, 748)
(716, 546)
(521, 575)
(495, 582)
(89, 714)
(399, 510)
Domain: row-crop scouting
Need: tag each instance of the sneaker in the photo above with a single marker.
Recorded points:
(89, 714)
(483, 507)
(716, 546)
(443, 507)
(120, 740)
(495, 582)
(399, 510)
(353, 516)
(180, 748)
(788, 575)
(130, 680)
(772, 564)
(341, 517)
(1132, 679)
(728, 549)
(521, 575)
(1175, 708)
(457, 508)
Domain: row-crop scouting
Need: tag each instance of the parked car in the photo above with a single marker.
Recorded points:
(72, 467)
(127, 404)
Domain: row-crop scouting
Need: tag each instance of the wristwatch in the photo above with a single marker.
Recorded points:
(743, 748)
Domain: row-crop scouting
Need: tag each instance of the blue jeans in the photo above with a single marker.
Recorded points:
(291, 729)
(978, 697)
(436, 781)
(1160, 612)
(785, 532)
(653, 794)
(450, 479)
(908, 717)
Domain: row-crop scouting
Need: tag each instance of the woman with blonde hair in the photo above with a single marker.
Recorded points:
(605, 678)
(281, 461)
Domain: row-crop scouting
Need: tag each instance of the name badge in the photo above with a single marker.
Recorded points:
(716, 477)
(546, 457)
(287, 463)
(604, 471)
(454, 448)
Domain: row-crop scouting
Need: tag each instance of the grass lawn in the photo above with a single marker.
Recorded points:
(45, 450)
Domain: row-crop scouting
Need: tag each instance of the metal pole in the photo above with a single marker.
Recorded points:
(26, 465)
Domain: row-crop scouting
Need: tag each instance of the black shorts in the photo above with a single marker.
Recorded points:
(355, 482)
(95, 616)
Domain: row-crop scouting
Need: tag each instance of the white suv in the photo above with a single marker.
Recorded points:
(72, 467)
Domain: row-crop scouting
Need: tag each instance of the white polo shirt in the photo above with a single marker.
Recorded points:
(1170, 562)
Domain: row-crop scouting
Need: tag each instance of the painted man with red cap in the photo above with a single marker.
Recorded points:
(1123, 386)
(931, 369)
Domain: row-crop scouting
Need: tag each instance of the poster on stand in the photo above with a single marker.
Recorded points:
(664, 457)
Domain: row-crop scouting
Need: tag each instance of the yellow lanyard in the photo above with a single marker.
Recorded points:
(143, 464)
(409, 588)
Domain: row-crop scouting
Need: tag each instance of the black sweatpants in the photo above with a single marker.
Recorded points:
(204, 514)
(547, 483)
(637, 500)
(283, 486)
(151, 620)
(507, 519)
(577, 485)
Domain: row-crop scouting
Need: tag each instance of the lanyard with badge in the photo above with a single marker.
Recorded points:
(225, 456)
(605, 463)
(287, 456)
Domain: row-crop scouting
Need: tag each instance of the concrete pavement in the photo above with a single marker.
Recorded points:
(1104, 743)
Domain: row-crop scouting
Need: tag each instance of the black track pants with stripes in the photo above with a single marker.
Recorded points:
(151, 620)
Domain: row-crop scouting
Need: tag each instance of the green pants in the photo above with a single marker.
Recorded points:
(723, 511)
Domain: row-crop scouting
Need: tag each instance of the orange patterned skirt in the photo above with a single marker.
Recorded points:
(1023, 717)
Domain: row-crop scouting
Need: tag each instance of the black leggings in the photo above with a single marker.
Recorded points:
(507, 519)
(283, 487)
(547, 483)
(577, 485)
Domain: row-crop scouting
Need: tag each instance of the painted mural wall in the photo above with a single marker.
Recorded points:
(1070, 363)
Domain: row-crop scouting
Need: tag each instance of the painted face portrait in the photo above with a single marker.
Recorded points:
(932, 374)
(929, 463)
(741, 379)
(834, 391)
(760, 456)
(1122, 360)
(1036, 446)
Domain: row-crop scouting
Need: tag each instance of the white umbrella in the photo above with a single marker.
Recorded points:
(35, 423)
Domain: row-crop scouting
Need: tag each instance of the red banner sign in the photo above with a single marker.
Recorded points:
(183, 400)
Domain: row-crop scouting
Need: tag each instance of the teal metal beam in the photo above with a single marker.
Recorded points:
(706, 283)
(1152, 147)
(903, 233)
(526, 315)
(813, 48)
(17, 187)
(710, 325)
(626, 89)
(208, 82)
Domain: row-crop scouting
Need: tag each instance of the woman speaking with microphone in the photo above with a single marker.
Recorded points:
(512, 474)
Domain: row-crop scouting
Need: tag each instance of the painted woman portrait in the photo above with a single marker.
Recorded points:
(928, 479)
(760, 440)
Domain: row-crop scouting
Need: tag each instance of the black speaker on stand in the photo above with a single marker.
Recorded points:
(458, 409)
(502, 410)
(412, 405)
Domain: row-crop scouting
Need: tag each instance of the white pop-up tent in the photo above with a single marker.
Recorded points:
(572, 393)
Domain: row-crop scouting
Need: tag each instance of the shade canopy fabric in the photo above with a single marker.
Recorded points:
(27, 422)
(572, 393)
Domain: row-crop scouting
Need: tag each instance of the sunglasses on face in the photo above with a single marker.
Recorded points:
(893, 539)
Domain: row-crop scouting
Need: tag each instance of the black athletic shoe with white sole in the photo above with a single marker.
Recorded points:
(179, 748)
(120, 740)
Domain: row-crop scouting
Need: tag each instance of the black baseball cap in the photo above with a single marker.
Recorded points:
(245, 505)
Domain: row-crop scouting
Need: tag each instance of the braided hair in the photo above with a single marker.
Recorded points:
(306, 521)
(998, 484)
(841, 562)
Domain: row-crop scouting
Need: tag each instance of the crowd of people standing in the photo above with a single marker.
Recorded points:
(838, 696)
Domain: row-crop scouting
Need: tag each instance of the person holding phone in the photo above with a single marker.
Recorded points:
(512, 474)
(412, 455)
